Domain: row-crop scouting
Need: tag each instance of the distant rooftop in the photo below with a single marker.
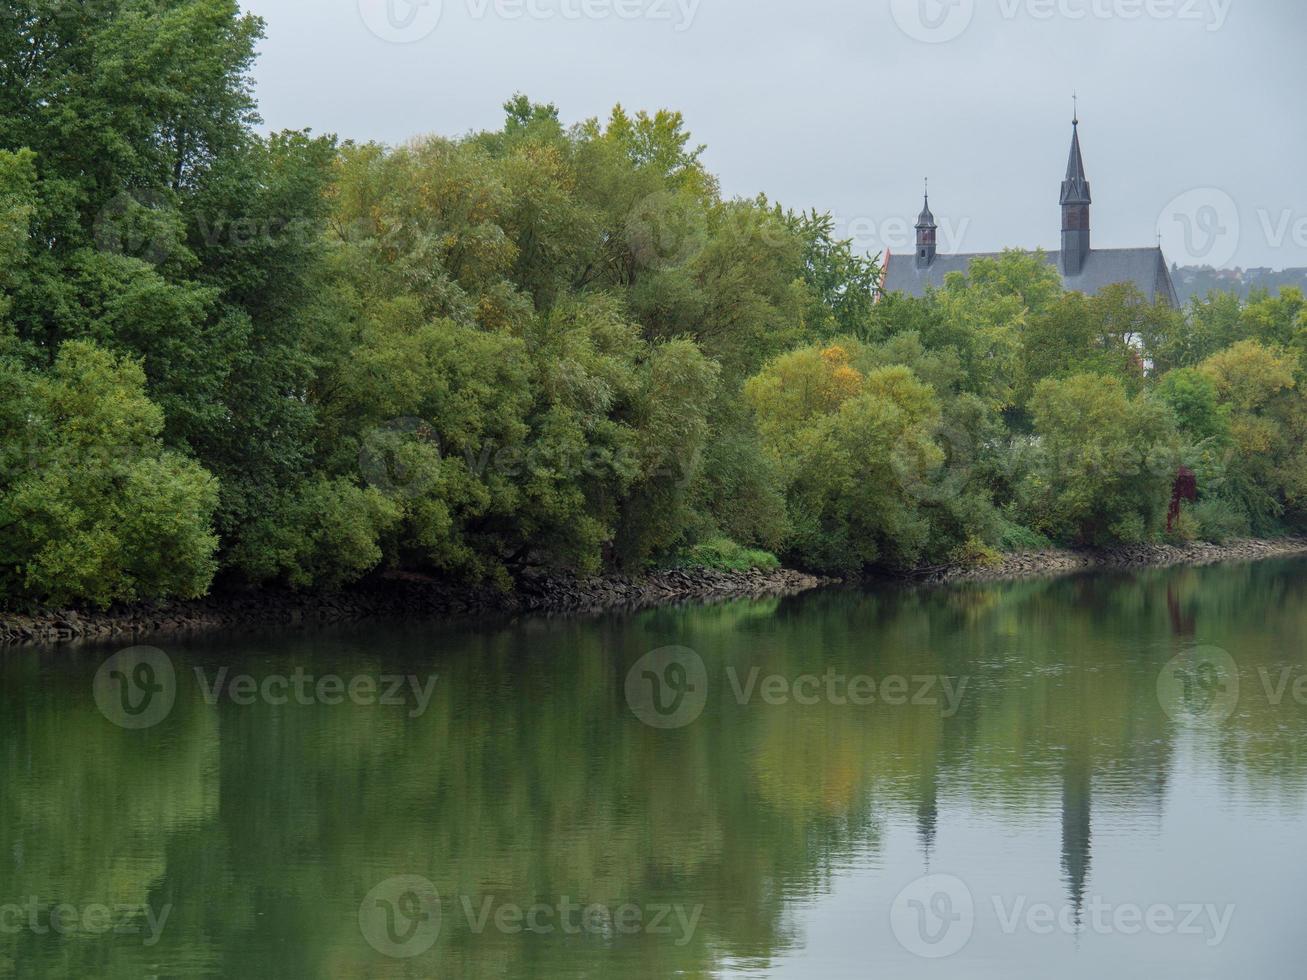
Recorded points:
(1144, 268)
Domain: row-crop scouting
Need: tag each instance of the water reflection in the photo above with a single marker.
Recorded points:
(786, 817)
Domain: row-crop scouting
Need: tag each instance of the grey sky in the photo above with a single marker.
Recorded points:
(1191, 110)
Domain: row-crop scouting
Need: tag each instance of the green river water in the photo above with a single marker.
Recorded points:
(1102, 776)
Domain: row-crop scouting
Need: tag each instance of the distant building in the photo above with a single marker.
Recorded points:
(1083, 269)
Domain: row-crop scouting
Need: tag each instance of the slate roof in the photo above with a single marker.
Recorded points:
(1075, 189)
(926, 219)
(1145, 268)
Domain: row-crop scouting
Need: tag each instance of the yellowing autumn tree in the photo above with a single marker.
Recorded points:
(852, 448)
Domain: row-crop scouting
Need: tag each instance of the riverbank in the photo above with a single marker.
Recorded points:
(1031, 564)
(419, 597)
(400, 597)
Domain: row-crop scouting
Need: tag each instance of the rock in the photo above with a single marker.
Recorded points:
(1024, 564)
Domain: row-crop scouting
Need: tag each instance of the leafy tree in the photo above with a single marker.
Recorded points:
(1203, 424)
(1026, 276)
(1102, 464)
(851, 447)
(842, 283)
(1264, 466)
(91, 504)
(1276, 320)
(1192, 396)
(323, 534)
(1085, 335)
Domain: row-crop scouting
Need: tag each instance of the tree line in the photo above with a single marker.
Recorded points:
(230, 360)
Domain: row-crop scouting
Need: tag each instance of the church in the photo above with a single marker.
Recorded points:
(1083, 269)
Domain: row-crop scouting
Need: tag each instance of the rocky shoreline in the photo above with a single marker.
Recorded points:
(1030, 564)
(396, 598)
(414, 597)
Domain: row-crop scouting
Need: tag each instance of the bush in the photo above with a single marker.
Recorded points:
(1184, 530)
(976, 553)
(1218, 520)
(1018, 537)
(92, 507)
(324, 534)
(725, 555)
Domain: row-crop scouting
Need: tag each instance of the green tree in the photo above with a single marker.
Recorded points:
(851, 448)
(1102, 462)
(92, 505)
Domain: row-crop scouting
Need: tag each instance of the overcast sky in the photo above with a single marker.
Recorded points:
(1192, 111)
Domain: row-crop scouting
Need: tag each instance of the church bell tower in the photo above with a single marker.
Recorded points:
(926, 233)
(1075, 208)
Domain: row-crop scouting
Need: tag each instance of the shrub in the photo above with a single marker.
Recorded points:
(726, 555)
(92, 507)
(1219, 520)
(975, 552)
(1018, 537)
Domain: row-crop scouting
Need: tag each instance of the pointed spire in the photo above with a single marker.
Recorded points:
(1076, 200)
(1075, 189)
(1075, 165)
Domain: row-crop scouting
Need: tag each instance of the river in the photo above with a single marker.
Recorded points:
(1096, 776)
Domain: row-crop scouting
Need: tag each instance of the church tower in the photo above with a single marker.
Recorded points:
(1075, 208)
(926, 230)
